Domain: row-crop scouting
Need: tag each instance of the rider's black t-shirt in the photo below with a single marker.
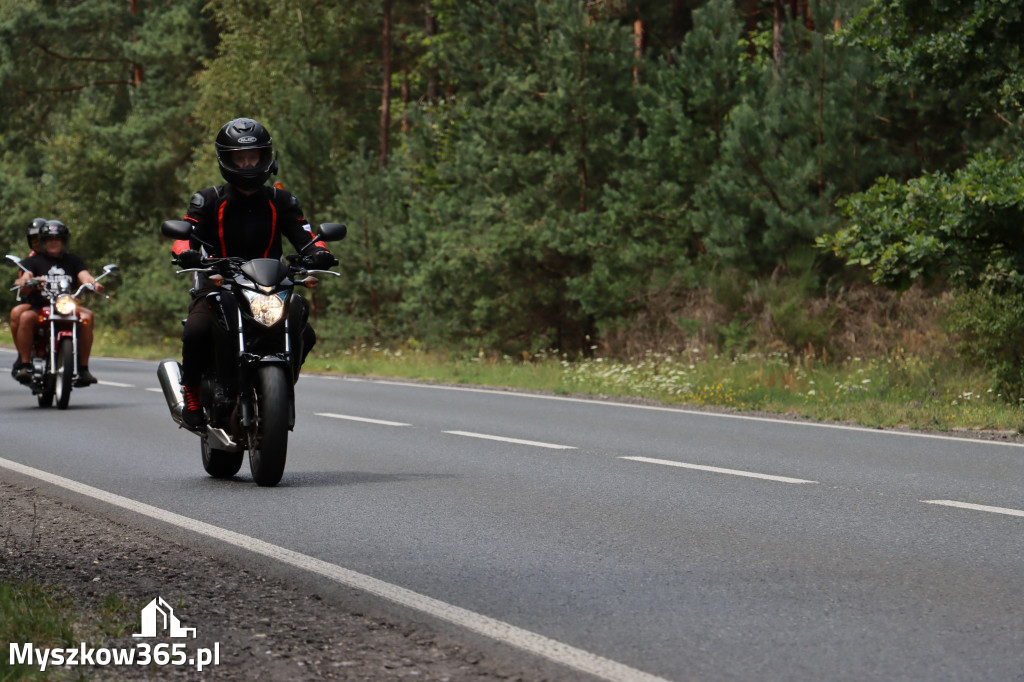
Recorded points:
(65, 268)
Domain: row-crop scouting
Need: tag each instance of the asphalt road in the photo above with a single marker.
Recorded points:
(688, 546)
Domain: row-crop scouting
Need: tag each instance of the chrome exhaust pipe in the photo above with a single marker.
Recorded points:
(169, 373)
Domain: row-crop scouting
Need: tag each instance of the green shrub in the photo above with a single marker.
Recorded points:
(990, 333)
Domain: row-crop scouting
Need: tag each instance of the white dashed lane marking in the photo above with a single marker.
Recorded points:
(718, 470)
(519, 441)
(382, 422)
(976, 507)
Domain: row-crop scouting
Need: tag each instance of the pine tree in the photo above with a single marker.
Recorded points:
(98, 131)
(509, 170)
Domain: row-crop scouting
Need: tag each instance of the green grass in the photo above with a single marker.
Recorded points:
(42, 616)
(31, 613)
(899, 390)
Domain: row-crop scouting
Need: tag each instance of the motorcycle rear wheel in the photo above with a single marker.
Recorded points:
(268, 437)
(220, 463)
(65, 373)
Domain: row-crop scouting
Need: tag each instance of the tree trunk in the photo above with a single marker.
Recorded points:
(751, 12)
(385, 99)
(136, 79)
(778, 24)
(431, 31)
(638, 48)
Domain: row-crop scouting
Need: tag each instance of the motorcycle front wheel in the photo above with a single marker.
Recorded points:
(268, 436)
(220, 463)
(65, 372)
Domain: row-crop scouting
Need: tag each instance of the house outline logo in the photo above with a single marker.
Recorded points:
(158, 615)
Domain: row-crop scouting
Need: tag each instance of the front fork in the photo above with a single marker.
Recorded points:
(248, 363)
(236, 367)
(55, 338)
(54, 345)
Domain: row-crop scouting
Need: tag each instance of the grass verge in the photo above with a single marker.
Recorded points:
(30, 613)
(897, 390)
(42, 616)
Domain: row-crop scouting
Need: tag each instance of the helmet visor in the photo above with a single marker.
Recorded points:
(258, 160)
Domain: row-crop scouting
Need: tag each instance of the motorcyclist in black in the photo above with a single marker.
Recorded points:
(243, 218)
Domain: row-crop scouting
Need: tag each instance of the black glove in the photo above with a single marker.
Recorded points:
(189, 259)
(321, 259)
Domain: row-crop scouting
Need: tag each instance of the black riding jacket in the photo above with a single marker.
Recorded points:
(233, 224)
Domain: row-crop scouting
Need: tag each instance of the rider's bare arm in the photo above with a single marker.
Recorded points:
(85, 278)
(23, 280)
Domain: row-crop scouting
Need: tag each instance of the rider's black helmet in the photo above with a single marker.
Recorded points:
(245, 133)
(32, 233)
(54, 229)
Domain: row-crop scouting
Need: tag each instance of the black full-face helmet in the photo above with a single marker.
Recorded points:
(54, 229)
(245, 134)
(32, 233)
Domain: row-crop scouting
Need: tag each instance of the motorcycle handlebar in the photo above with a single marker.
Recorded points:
(30, 283)
(232, 264)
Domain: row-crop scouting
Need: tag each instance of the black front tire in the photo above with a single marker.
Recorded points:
(220, 463)
(65, 372)
(268, 438)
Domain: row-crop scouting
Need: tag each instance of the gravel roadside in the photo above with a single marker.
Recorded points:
(266, 628)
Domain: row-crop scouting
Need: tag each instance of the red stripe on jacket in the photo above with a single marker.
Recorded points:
(273, 228)
(220, 228)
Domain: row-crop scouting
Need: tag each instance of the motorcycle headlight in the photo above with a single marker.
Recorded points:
(65, 305)
(267, 309)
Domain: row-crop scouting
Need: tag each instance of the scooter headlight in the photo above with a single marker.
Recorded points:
(65, 305)
(267, 309)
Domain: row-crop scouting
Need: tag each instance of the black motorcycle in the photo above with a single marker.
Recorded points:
(55, 344)
(248, 394)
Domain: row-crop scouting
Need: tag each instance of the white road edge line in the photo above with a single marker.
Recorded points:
(489, 627)
(976, 507)
(676, 410)
(552, 446)
(382, 422)
(718, 470)
(115, 384)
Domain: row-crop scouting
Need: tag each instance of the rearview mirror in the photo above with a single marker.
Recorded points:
(333, 232)
(176, 229)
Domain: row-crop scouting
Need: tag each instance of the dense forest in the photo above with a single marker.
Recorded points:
(524, 175)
